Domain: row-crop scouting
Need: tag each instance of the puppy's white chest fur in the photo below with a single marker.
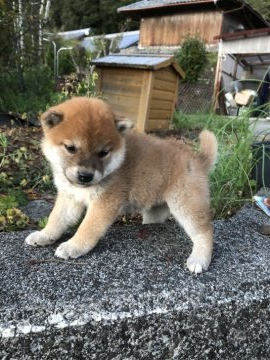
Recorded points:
(81, 195)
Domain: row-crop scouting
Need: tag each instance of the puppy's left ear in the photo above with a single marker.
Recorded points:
(123, 124)
(51, 118)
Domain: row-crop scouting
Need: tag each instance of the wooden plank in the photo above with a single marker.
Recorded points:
(122, 81)
(111, 87)
(162, 95)
(125, 104)
(120, 75)
(147, 85)
(98, 81)
(161, 104)
(164, 85)
(166, 75)
(123, 71)
(155, 124)
(163, 64)
(160, 114)
(176, 94)
(243, 33)
(171, 30)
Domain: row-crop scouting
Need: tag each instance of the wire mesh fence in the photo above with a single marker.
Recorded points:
(195, 98)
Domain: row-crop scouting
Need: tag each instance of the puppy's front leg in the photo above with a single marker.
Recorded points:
(66, 212)
(99, 216)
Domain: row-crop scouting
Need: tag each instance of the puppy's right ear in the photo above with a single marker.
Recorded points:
(123, 124)
(51, 118)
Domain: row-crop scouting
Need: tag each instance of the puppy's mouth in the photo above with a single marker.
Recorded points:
(79, 184)
(82, 179)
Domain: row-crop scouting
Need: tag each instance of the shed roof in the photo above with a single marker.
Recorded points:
(144, 4)
(74, 34)
(139, 8)
(139, 62)
(252, 47)
(127, 39)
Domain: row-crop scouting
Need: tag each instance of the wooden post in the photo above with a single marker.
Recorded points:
(144, 106)
(236, 67)
(218, 77)
(176, 94)
(99, 80)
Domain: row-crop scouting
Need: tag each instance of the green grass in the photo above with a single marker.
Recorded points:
(231, 185)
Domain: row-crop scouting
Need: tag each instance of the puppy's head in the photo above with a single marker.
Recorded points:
(83, 140)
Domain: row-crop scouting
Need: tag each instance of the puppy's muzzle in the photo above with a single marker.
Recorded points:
(85, 177)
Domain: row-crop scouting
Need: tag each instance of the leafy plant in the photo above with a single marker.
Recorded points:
(11, 218)
(21, 172)
(43, 222)
(38, 88)
(3, 149)
(192, 57)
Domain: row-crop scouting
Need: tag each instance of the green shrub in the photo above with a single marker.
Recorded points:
(38, 88)
(192, 57)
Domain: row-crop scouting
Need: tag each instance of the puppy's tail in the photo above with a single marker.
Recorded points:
(208, 148)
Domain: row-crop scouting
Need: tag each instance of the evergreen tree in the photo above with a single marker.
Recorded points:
(100, 15)
(262, 6)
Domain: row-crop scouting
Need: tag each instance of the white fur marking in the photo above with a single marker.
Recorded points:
(117, 159)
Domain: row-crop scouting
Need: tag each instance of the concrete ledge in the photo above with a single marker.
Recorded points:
(132, 297)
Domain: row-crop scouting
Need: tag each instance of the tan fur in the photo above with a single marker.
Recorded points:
(113, 170)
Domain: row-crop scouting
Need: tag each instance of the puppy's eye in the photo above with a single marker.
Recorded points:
(103, 153)
(70, 148)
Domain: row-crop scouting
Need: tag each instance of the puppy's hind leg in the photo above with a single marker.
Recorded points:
(66, 212)
(197, 224)
(157, 214)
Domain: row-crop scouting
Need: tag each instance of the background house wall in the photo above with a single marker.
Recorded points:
(171, 30)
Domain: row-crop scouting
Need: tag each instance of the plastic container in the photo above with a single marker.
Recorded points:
(261, 168)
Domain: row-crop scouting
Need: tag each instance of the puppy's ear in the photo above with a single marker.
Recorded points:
(51, 118)
(123, 124)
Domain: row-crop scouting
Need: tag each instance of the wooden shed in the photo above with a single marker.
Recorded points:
(142, 88)
(168, 22)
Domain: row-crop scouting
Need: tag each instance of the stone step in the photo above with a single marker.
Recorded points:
(133, 298)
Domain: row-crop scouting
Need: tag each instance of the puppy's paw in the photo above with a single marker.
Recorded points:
(38, 238)
(69, 250)
(197, 264)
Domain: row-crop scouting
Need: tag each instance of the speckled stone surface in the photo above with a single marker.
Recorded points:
(133, 298)
(37, 209)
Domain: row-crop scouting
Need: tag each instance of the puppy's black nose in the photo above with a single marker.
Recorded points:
(85, 177)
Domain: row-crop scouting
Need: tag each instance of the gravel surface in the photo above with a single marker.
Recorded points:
(133, 298)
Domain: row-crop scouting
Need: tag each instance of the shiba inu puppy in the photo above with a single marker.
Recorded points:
(101, 168)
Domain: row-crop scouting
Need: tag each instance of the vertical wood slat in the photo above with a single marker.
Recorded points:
(144, 107)
(98, 85)
(175, 100)
(172, 30)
